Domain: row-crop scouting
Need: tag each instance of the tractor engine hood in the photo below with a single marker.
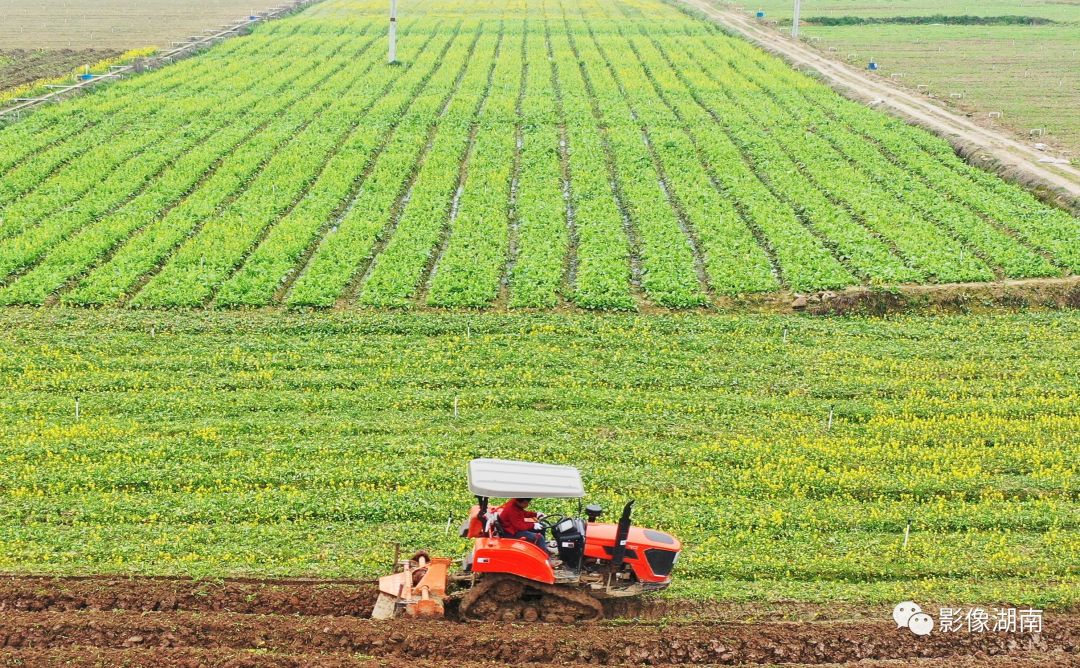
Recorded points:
(602, 533)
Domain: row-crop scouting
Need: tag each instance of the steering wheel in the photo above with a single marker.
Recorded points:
(550, 521)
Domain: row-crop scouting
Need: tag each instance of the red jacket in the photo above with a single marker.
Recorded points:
(514, 518)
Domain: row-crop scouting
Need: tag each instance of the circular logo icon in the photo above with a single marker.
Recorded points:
(921, 624)
(903, 612)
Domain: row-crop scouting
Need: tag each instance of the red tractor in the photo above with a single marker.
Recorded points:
(507, 579)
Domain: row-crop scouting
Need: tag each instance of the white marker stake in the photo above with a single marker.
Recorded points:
(76, 409)
(393, 31)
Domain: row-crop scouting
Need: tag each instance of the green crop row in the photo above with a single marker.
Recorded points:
(1006, 206)
(340, 255)
(689, 96)
(51, 126)
(205, 260)
(601, 262)
(117, 278)
(84, 249)
(539, 269)
(433, 197)
(214, 132)
(470, 271)
(966, 226)
(614, 154)
(269, 266)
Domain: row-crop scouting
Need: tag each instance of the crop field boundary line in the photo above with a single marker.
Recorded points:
(231, 197)
(685, 225)
(1062, 180)
(637, 291)
(344, 137)
(166, 58)
(352, 289)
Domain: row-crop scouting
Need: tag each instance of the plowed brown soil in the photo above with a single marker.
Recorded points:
(175, 622)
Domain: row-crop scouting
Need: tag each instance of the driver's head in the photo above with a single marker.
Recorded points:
(523, 502)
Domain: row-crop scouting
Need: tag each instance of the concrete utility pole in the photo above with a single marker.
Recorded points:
(393, 31)
(795, 21)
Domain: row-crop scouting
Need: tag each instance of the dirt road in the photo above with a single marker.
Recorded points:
(176, 622)
(1013, 156)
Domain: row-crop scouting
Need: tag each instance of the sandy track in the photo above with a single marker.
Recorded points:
(177, 622)
(1011, 154)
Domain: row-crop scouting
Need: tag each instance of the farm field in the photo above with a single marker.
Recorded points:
(1030, 73)
(25, 74)
(602, 154)
(19, 66)
(114, 24)
(259, 308)
(267, 443)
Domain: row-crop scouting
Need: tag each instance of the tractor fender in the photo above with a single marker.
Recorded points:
(515, 557)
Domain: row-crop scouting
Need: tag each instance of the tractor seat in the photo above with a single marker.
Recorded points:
(496, 523)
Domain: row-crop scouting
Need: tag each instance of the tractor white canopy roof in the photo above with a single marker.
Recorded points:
(507, 479)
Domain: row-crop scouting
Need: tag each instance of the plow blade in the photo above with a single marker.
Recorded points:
(417, 590)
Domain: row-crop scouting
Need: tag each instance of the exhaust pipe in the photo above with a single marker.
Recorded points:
(618, 553)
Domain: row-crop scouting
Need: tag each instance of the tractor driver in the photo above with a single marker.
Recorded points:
(519, 523)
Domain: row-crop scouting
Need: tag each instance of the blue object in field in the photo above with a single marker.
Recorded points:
(761, 15)
(253, 18)
(86, 77)
(872, 66)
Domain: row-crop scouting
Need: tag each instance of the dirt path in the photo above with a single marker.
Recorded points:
(1012, 155)
(178, 622)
